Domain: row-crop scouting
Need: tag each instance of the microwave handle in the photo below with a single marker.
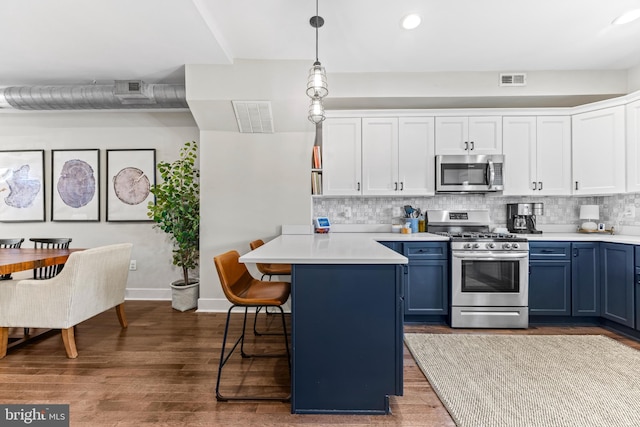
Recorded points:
(491, 174)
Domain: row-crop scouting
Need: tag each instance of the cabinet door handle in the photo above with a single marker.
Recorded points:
(466, 146)
(575, 252)
(401, 185)
(396, 186)
(472, 145)
(535, 185)
(539, 185)
(576, 185)
(358, 186)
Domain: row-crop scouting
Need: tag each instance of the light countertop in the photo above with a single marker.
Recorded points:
(585, 237)
(364, 248)
(334, 248)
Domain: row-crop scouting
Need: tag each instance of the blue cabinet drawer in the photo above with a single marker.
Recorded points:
(425, 250)
(550, 250)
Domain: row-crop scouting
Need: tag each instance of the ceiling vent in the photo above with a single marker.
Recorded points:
(133, 92)
(514, 79)
(253, 116)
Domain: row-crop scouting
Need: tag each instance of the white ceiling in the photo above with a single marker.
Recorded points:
(78, 42)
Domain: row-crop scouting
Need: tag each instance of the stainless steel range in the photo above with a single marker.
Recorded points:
(489, 271)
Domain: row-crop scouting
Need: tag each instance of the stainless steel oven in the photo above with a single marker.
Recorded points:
(489, 271)
(490, 283)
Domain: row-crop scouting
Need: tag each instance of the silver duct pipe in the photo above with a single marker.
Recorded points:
(124, 94)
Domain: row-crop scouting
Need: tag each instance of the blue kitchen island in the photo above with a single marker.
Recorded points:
(347, 320)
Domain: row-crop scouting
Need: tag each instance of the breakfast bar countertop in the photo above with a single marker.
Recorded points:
(335, 248)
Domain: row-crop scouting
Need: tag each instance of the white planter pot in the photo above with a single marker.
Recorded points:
(183, 297)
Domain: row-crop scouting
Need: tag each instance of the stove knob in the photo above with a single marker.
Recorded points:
(476, 245)
(491, 245)
(515, 245)
(507, 246)
(467, 245)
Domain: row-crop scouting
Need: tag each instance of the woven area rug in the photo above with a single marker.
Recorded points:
(532, 381)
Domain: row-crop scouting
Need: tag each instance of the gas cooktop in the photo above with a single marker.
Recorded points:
(477, 236)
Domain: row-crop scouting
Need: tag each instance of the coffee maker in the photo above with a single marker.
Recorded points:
(521, 217)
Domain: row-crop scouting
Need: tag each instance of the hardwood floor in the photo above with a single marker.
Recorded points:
(162, 370)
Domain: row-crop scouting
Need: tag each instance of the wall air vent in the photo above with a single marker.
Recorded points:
(513, 79)
(253, 116)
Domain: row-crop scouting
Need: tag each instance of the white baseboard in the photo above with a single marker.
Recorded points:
(160, 294)
(210, 305)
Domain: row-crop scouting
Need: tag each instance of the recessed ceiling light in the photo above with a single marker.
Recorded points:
(627, 17)
(411, 21)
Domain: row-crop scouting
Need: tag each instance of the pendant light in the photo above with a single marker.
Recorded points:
(317, 82)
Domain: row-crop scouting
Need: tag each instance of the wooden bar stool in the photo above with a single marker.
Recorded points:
(242, 290)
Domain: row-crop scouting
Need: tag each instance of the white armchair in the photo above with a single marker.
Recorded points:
(92, 281)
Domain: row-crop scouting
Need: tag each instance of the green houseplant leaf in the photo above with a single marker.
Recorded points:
(176, 210)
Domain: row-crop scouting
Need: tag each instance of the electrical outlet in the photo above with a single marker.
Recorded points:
(630, 211)
(132, 265)
(347, 212)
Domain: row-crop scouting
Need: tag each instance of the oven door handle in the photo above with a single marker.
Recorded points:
(492, 256)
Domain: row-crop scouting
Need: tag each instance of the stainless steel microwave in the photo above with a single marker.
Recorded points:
(469, 174)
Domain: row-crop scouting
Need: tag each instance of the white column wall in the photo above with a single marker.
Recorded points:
(166, 132)
(252, 184)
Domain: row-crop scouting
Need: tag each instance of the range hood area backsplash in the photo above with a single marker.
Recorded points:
(561, 211)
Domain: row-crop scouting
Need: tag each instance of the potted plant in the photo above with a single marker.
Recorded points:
(176, 211)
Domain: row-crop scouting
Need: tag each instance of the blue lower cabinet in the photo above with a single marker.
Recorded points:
(550, 288)
(617, 271)
(637, 290)
(426, 288)
(549, 279)
(637, 286)
(585, 279)
(347, 338)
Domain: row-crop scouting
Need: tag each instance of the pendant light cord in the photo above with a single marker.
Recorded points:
(317, 30)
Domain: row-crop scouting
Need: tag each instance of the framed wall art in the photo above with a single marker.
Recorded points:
(22, 186)
(130, 175)
(75, 185)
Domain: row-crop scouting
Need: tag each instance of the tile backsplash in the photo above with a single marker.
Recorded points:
(557, 210)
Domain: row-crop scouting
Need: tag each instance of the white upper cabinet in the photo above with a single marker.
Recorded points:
(416, 156)
(379, 156)
(398, 156)
(537, 155)
(469, 135)
(341, 156)
(633, 147)
(599, 151)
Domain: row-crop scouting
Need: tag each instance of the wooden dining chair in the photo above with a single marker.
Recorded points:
(44, 273)
(10, 244)
(243, 290)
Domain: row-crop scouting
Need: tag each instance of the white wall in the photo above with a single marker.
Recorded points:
(634, 79)
(164, 131)
(252, 184)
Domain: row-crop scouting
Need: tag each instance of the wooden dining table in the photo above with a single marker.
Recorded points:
(22, 259)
